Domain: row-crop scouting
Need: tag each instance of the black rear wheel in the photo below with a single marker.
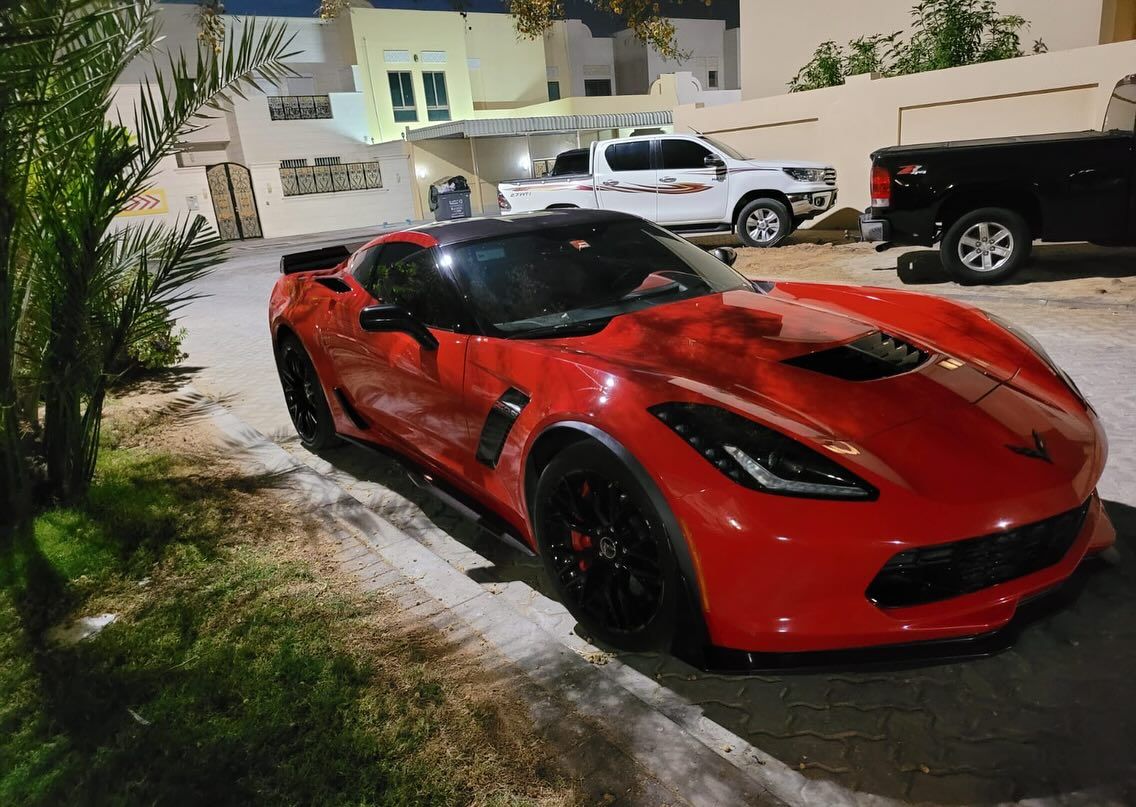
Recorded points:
(986, 245)
(304, 396)
(605, 549)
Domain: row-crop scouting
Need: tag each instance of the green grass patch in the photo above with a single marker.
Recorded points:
(236, 674)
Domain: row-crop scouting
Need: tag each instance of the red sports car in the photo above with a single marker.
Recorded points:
(699, 458)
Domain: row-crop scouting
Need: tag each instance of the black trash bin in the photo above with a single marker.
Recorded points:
(449, 199)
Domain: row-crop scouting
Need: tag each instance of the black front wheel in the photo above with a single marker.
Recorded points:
(606, 550)
(764, 223)
(303, 395)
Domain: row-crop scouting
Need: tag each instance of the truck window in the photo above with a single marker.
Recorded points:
(1121, 113)
(679, 154)
(571, 162)
(635, 156)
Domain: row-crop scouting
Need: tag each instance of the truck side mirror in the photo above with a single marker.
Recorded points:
(714, 161)
(726, 255)
(394, 318)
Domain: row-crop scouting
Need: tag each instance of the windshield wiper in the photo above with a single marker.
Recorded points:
(577, 328)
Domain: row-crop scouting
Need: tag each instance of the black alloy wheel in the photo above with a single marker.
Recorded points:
(304, 396)
(603, 545)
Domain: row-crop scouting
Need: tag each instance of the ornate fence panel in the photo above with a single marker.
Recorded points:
(300, 180)
(299, 107)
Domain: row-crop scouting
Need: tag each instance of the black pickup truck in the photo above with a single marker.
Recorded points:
(987, 201)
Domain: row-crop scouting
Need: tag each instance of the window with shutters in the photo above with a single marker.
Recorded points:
(402, 96)
(437, 101)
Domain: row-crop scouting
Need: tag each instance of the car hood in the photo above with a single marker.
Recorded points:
(732, 348)
(766, 165)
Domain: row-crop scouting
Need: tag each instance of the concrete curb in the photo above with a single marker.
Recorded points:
(667, 739)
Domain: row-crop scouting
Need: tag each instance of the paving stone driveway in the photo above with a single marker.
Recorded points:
(1055, 715)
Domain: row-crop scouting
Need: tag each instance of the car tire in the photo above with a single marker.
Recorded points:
(303, 395)
(986, 245)
(606, 550)
(764, 223)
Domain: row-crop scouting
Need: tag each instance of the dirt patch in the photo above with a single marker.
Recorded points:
(1078, 273)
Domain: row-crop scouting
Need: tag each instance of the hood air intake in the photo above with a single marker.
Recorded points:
(870, 357)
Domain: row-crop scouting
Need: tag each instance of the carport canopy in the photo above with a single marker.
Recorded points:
(498, 127)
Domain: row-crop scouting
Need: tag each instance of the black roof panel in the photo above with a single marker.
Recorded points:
(461, 230)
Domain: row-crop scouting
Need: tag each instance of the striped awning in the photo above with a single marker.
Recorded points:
(499, 127)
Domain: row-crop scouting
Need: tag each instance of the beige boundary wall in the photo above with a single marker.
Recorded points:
(1055, 92)
(777, 42)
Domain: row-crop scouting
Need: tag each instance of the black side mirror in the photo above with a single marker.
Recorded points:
(726, 255)
(714, 161)
(395, 318)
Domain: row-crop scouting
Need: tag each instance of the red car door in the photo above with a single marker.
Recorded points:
(412, 394)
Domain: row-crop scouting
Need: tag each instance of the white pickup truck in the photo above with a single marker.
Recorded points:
(687, 183)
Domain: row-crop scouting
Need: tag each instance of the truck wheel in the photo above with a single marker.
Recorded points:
(986, 245)
(764, 223)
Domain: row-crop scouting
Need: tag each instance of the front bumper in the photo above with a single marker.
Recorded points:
(874, 230)
(809, 204)
(808, 593)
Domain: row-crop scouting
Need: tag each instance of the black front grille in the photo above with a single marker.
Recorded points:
(870, 357)
(933, 573)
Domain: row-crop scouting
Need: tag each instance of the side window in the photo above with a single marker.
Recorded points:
(683, 154)
(362, 264)
(406, 275)
(633, 156)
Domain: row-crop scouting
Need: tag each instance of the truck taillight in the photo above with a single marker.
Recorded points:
(502, 202)
(881, 186)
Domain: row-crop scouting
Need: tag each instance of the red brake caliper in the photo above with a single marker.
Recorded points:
(581, 542)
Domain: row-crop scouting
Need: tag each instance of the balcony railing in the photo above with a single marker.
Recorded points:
(299, 107)
(305, 179)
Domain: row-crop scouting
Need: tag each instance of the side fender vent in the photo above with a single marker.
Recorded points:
(334, 283)
(498, 424)
(360, 422)
(870, 357)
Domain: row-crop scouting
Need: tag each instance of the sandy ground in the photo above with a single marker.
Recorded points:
(1078, 273)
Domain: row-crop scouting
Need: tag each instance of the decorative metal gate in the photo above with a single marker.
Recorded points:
(234, 202)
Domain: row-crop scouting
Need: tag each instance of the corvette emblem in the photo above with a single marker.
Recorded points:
(1037, 452)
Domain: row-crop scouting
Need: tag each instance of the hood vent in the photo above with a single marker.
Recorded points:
(870, 357)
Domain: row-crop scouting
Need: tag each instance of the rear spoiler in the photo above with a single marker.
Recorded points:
(313, 259)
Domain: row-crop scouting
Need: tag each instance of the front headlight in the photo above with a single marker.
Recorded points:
(1028, 339)
(806, 174)
(759, 457)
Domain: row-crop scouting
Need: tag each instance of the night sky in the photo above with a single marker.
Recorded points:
(601, 24)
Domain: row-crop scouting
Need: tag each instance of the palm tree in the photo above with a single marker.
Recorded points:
(75, 288)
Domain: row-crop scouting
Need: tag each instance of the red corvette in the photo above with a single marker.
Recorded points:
(698, 458)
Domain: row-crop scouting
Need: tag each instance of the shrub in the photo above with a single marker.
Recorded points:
(945, 33)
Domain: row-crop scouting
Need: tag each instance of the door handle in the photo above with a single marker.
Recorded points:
(666, 179)
(611, 182)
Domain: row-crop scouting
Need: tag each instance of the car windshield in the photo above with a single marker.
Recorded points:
(729, 151)
(575, 278)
